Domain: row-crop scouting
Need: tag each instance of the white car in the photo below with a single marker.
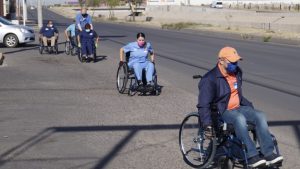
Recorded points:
(12, 35)
(217, 4)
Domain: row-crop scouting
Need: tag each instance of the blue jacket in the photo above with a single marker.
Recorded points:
(48, 31)
(88, 37)
(214, 89)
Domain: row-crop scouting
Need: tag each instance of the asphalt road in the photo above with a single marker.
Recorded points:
(58, 113)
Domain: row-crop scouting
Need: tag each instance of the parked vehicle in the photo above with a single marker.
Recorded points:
(217, 4)
(12, 35)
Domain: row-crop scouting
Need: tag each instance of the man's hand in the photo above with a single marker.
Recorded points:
(121, 63)
(79, 45)
(208, 132)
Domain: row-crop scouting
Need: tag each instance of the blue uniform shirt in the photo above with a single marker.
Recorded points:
(71, 29)
(83, 21)
(137, 53)
(88, 36)
(48, 31)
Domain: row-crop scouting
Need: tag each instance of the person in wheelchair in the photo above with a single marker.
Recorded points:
(87, 42)
(222, 86)
(70, 34)
(138, 59)
(49, 33)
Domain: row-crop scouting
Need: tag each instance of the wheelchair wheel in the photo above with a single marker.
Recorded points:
(122, 78)
(133, 88)
(95, 55)
(225, 163)
(197, 150)
(157, 89)
(41, 49)
(67, 48)
(79, 54)
(56, 49)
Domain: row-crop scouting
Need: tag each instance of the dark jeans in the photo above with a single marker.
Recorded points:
(239, 118)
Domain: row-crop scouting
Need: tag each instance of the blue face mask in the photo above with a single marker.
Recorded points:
(231, 67)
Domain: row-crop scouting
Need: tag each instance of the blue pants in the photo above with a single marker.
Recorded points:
(239, 117)
(138, 69)
(87, 47)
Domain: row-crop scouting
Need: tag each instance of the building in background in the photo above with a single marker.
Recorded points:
(72, 2)
(207, 2)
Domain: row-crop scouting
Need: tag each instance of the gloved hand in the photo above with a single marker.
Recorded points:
(96, 45)
(208, 132)
(121, 63)
(79, 45)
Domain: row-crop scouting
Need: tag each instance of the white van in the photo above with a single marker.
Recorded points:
(217, 4)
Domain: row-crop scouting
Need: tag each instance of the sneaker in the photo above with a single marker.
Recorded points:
(84, 57)
(256, 161)
(139, 85)
(150, 86)
(273, 159)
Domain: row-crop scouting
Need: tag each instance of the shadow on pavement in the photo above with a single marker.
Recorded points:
(16, 151)
(29, 47)
(100, 58)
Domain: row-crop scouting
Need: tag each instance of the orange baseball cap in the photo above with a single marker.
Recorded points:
(230, 54)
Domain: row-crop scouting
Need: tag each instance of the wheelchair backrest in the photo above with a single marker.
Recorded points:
(127, 55)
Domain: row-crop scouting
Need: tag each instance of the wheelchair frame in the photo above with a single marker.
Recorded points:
(124, 74)
(42, 47)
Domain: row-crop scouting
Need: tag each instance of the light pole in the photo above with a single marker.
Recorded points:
(24, 12)
(40, 15)
(275, 21)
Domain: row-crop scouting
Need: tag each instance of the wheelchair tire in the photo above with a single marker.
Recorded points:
(157, 89)
(95, 55)
(197, 151)
(122, 78)
(79, 54)
(56, 49)
(41, 49)
(225, 163)
(67, 48)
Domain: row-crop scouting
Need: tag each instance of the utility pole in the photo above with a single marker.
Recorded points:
(24, 12)
(40, 16)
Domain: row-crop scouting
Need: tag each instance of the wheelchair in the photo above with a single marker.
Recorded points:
(42, 48)
(223, 150)
(127, 83)
(82, 59)
(71, 46)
